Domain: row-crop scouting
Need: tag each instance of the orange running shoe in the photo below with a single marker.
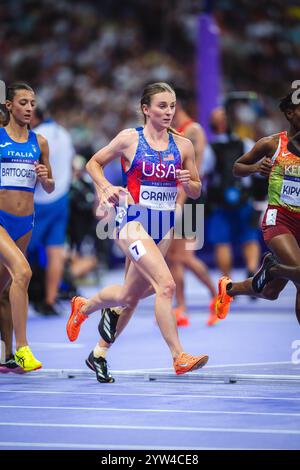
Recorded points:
(186, 363)
(181, 318)
(76, 318)
(223, 299)
(213, 318)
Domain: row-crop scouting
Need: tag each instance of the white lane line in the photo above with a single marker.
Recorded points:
(144, 371)
(250, 364)
(61, 445)
(151, 428)
(147, 395)
(147, 410)
(58, 345)
(165, 369)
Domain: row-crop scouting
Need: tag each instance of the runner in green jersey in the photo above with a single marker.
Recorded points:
(271, 157)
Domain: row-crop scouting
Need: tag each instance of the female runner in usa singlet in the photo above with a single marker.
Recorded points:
(154, 161)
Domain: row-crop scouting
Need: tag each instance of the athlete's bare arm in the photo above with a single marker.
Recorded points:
(43, 169)
(258, 160)
(122, 144)
(195, 134)
(188, 176)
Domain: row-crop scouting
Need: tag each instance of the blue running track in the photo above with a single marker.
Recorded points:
(256, 345)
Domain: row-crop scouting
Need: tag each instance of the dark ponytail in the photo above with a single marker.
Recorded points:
(286, 104)
(14, 87)
(10, 94)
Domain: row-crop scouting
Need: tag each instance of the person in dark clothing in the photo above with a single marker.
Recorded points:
(229, 198)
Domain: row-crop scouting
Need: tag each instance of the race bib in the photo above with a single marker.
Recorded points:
(290, 191)
(156, 195)
(19, 175)
(271, 217)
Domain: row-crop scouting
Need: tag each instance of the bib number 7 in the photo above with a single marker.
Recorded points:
(137, 250)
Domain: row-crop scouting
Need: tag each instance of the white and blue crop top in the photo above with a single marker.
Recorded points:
(17, 170)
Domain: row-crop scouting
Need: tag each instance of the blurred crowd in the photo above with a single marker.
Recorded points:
(260, 49)
(89, 60)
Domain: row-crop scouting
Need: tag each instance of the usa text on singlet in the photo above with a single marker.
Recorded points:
(151, 179)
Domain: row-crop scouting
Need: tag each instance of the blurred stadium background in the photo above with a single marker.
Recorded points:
(90, 59)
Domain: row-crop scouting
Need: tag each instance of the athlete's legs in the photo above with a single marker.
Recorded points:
(282, 271)
(223, 258)
(6, 325)
(153, 268)
(246, 234)
(180, 258)
(164, 287)
(125, 313)
(174, 260)
(200, 270)
(16, 264)
(228, 290)
(111, 295)
(251, 252)
(270, 292)
(287, 250)
(145, 290)
(54, 272)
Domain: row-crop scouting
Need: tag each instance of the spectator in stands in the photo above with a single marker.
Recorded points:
(231, 213)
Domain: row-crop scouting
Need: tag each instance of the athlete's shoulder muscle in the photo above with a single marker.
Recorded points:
(268, 144)
(194, 127)
(42, 141)
(125, 138)
(181, 141)
(185, 147)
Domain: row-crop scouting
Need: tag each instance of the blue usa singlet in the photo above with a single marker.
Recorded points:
(151, 181)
